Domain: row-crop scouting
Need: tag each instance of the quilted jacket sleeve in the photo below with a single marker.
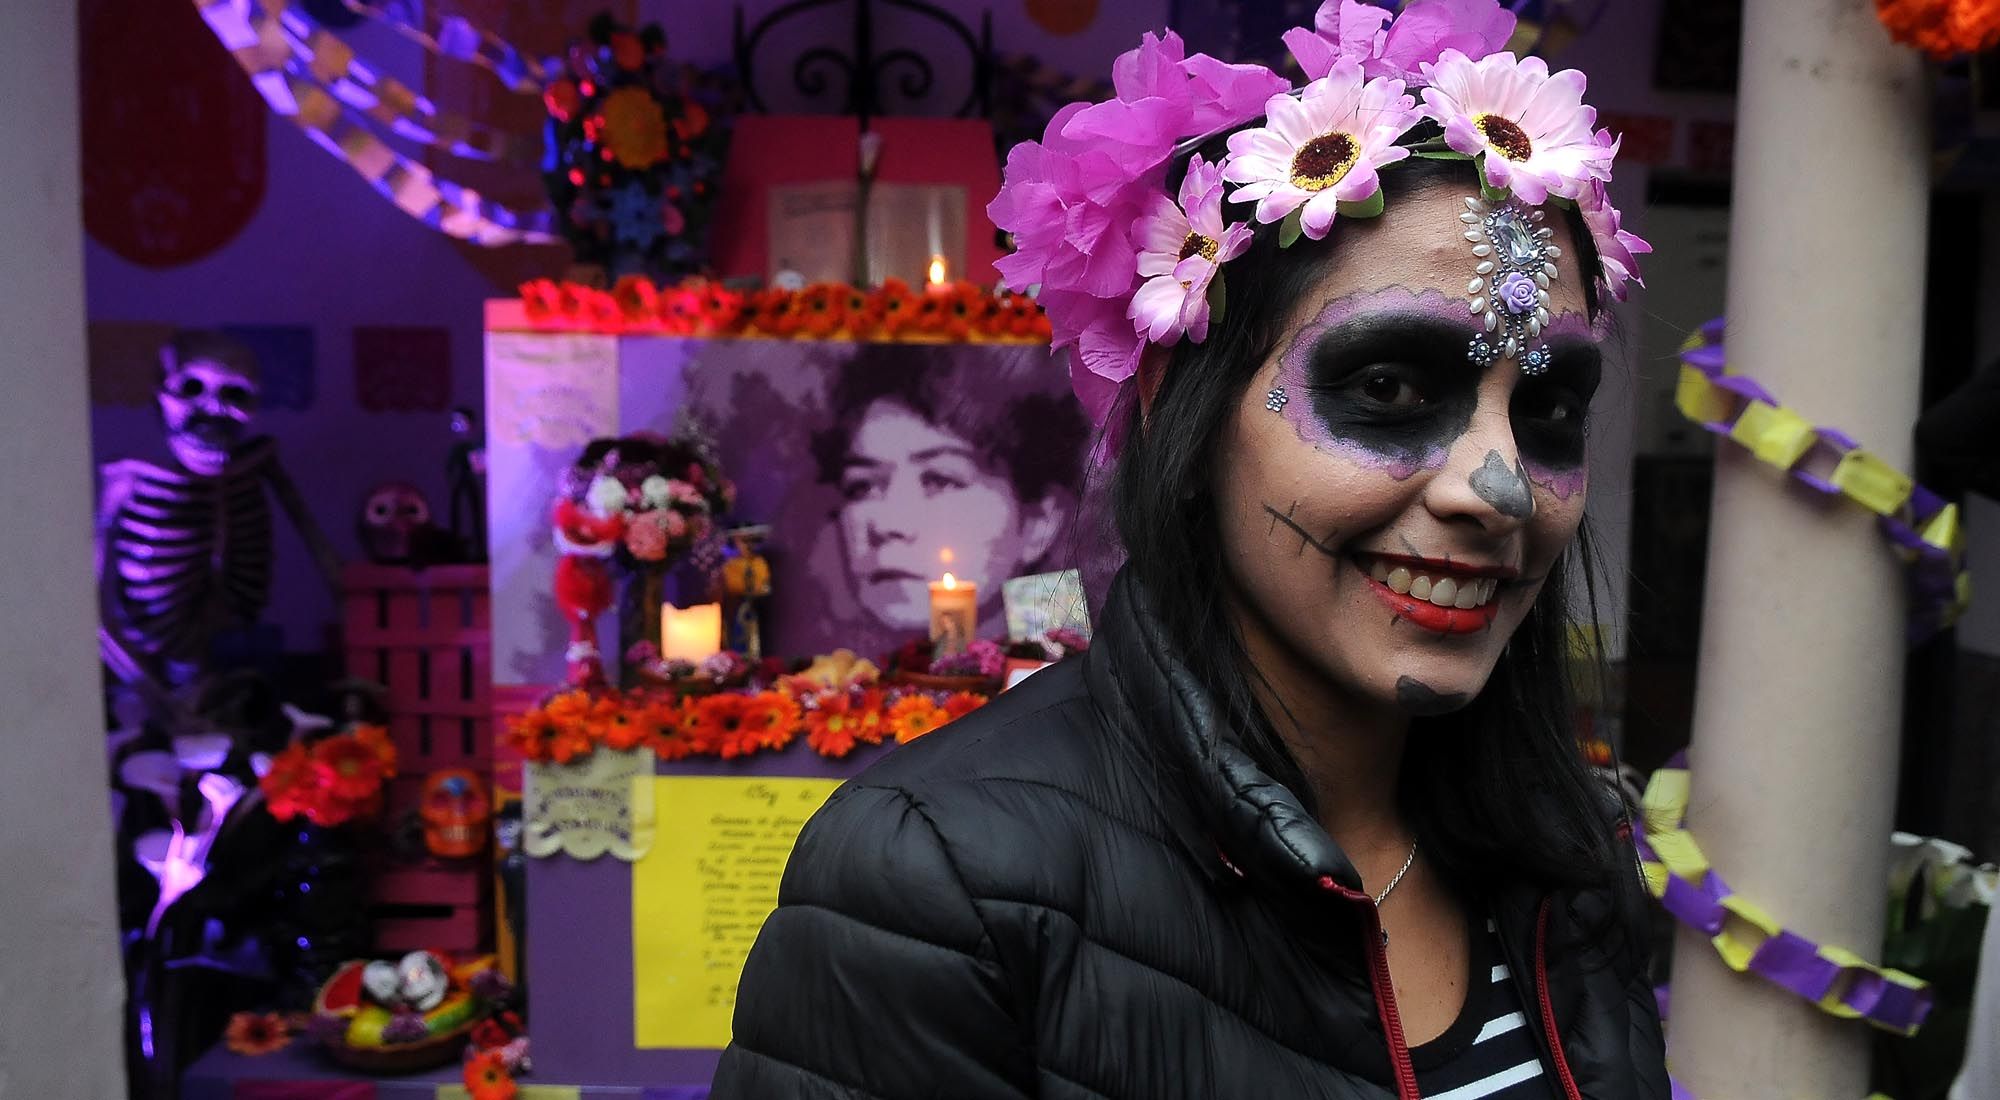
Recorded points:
(875, 979)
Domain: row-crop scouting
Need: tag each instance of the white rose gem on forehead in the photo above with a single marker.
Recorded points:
(1509, 291)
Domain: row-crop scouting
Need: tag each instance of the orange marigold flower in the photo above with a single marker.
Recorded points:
(257, 1033)
(873, 719)
(719, 724)
(626, 730)
(833, 728)
(965, 309)
(913, 716)
(569, 708)
(569, 743)
(894, 307)
(1945, 29)
(673, 734)
(771, 720)
(530, 734)
(486, 1077)
(377, 739)
(962, 704)
(822, 310)
(347, 769)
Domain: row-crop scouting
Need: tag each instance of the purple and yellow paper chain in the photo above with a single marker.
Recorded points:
(455, 37)
(1922, 526)
(1751, 940)
(331, 63)
(259, 46)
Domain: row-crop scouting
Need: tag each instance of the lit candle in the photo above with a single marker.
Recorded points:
(954, 614)
(937, 284)
(691, 634)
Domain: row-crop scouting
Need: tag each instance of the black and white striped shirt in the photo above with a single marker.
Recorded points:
(1489, 1052)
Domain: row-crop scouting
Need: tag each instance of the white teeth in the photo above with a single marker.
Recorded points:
(1463, 593)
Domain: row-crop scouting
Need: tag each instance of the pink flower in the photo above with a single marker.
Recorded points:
(646, 536)
(674, 524)
(1350, 30)
(1321, 150)
(1531, 128)
(1617, 250)
(1181, 248)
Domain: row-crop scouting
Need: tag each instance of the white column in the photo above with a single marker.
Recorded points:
(59, 1021)
(1801, 667)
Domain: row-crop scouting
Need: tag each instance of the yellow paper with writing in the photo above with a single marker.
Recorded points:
(590, 807)
(701, 895)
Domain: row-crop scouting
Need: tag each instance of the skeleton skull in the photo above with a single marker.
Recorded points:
(392, 514)
(208, 392)
(455, 812)
(425, 980)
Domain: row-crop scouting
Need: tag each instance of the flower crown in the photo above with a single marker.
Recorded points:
(1123, 263)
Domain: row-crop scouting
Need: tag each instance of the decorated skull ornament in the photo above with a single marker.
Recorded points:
(455, 810)
(390, 518)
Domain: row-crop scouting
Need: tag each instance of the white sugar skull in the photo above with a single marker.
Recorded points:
(208, 392)
(383, 982)
(391, 516)
(425, 980)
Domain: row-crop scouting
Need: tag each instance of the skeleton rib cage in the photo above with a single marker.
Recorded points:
(189, 555)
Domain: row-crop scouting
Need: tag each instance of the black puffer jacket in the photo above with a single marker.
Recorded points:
(1036, 902)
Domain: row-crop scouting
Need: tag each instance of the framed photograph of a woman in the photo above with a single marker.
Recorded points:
(881, 467)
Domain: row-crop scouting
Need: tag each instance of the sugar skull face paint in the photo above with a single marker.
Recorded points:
(1388, 523)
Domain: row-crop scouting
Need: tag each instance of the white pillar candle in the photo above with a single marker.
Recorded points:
(691, 634)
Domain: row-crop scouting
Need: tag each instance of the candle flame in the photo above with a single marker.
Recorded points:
(950, 581)
(937, 269)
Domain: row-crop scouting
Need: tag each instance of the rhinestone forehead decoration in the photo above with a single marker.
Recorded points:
(1509, 290)
(1276, 400)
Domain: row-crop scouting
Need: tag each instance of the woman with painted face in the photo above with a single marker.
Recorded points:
(1308, 820)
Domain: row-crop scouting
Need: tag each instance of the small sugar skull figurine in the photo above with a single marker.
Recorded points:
(425, 980)
(455, 810)
(390, 522)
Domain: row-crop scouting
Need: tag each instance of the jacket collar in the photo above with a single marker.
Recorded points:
(1243, 821)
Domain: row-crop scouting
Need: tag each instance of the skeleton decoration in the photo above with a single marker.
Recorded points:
(465, 474)
(184, 551)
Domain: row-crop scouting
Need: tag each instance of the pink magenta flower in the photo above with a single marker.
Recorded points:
(1350, 30)
(1181, 246)
(1322, 149)
(1532, 127)
(1617, 250)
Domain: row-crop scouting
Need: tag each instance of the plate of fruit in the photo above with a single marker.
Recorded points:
(405, 1016)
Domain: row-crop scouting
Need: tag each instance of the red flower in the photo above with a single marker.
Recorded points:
(625, 730)
(257, 1033)
(965, 309)
(872, 721)
(673, 729)
(1945, 29)
(486, 1077)
(532, 735)
(718, 724)
(290, 786)
(894, 307)
(771, 720)
(347, 769)
(962, 704)
(638, 301)
(822, 310)
(561, 99)
(834, 727)
(377, 739)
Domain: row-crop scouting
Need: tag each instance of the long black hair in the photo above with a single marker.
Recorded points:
(1498, 793)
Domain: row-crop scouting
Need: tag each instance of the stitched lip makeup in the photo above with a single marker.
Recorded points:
(1445, 597)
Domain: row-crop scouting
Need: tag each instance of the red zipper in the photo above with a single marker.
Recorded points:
(1385, 992)
(1548, 1007)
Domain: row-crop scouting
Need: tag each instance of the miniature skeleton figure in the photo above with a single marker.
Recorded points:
(465, 474)
(184, 551)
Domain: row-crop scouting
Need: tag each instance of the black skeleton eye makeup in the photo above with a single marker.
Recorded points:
(1551, 411)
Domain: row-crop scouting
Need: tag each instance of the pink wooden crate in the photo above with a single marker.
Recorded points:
(433, 906)
(426, 636)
